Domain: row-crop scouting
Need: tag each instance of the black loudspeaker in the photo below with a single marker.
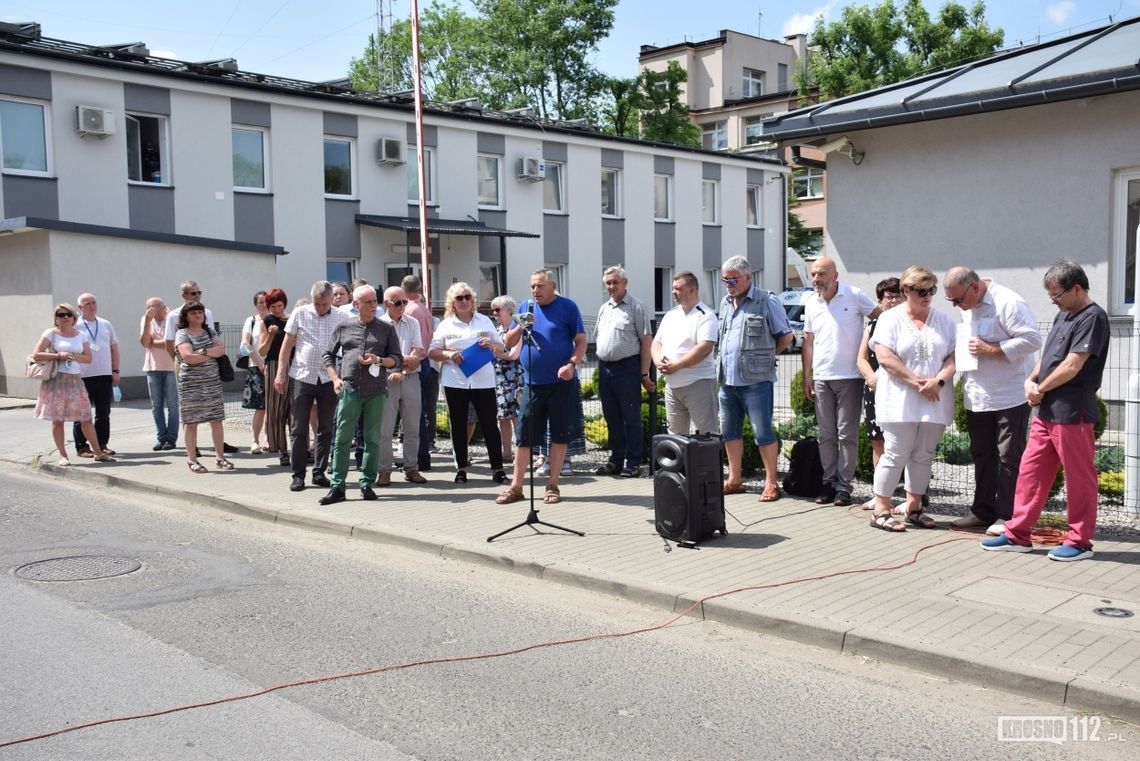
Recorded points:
(688, 496)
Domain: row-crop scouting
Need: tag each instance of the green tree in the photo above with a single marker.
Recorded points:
(618, 106)
(664, 117)
(874, 46)
(799, 237)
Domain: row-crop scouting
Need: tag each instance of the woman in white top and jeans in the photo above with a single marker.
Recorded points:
(461, 328)
(254, 396)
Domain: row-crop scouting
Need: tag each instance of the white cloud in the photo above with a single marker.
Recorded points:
(804, 23)
(1059, 13)
(165, 54)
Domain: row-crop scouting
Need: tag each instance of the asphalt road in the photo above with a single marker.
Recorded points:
(224, 606)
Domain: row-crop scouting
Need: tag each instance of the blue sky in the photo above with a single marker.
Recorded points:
(314, 41)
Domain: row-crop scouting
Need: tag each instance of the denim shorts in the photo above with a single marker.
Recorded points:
(756, 401)
(553, 403)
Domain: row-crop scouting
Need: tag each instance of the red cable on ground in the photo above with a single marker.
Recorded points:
(482, 656)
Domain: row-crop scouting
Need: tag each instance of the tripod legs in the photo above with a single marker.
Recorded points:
(532, 521)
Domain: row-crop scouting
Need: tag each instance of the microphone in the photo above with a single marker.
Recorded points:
(525, 319)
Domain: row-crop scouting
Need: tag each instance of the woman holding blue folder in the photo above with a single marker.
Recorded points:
(465, 343)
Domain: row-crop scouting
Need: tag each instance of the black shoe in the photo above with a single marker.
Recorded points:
(842, 499)
(320, 479)
(608, 469)
(283, 461)
(425, 466)
(229, 448)
(167, 446)
(826, 497)
(158, 447)
(461, 477)
(631, 473)
(334, 496)
(500, 477)
(366, 493)
(298, 484)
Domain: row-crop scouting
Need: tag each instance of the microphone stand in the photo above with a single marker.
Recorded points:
(532, 519)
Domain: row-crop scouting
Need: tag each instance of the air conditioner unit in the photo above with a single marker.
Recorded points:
(90, 120)
(389, 150)
(532, 169)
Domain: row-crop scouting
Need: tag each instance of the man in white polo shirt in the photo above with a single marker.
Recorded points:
(683, 354)
(100, 376)
(403, 391)
(833, 330)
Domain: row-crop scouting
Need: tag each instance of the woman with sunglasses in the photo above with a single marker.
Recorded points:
(914, 395)
(200, 398)
(270, 334)
(508, 374)
(461, 328)
(63, 398)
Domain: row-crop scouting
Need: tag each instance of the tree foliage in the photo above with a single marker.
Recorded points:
(648, 106)
(892, 41)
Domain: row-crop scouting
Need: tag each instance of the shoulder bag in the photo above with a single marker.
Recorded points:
(225, 367)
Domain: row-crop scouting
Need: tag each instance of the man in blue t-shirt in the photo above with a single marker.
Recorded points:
(550, 371)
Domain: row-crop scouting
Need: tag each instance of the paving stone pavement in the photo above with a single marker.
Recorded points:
(930, 600)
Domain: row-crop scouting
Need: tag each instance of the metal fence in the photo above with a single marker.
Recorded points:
(952, 480)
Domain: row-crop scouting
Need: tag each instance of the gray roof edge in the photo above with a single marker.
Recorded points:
(441, 226)
(43, 223)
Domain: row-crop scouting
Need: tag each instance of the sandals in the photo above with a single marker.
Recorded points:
(255, 449)
(105, 457)
(461, 477)
(887, 522)
(771, 493)
(921, 520)
(196, 467)
(733, 488)
(513, 494)
(552, 496)
(64, 462)
(224, 464)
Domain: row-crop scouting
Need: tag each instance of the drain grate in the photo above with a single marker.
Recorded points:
(1113, 612)
(78, 568)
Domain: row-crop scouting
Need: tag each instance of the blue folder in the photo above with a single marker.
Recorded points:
(474, 357)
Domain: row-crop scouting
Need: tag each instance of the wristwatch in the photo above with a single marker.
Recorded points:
(941, 382)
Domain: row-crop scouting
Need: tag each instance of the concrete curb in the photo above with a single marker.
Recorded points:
(1078, 693)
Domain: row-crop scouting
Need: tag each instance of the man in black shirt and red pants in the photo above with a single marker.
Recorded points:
(1063, 388)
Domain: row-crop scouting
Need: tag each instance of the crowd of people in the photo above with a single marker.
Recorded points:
(331, 381)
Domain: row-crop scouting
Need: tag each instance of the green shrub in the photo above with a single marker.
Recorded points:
(1111, 483)
(597, 433)
(646, 441)
(959, 408)
(799, 427)
(1054, 520)
(1102, 419)
(660, 385)
(864, 463)
(954, 448)
(801, 405)
(1109, 458)
(589, 381)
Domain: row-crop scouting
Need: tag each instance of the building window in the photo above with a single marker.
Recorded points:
(488, 282)
(414, 177)
(663, 197)
(710, 202)
(713, 288)
(339, 167)
(340, 270)
(24, 137)
(662, 289)
(714, 136)
(752, 216)
(611, 192)
(1126, 228)
(148, 151)
(807, 183)
(753, 131)
(251, 158)
(489, 182)
(753, 83)
(554, 188)
(561, 282)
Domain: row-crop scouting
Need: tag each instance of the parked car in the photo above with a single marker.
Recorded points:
(793, 301)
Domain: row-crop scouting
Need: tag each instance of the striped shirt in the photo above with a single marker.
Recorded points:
(620, 328)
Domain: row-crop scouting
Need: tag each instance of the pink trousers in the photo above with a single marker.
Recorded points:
(1053, 445)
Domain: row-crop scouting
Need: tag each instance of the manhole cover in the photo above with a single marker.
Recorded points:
(1113, 612)
(78, 568)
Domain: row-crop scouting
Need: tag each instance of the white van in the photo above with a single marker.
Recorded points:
(793, 302)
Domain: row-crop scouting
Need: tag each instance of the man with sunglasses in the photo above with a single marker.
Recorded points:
(1004, 339)
(1063, 388)
(833, 330)
(754, 328)
(100, 375)
(403, 391)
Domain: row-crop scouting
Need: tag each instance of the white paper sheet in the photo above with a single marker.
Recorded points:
(964, 361)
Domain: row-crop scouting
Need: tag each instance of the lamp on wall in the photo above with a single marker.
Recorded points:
(846, 147)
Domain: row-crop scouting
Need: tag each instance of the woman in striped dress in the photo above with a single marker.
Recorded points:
(200, 397)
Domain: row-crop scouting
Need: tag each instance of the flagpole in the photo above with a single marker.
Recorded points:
(421, 161)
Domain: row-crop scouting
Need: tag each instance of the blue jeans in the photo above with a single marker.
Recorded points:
(163, 388)
(756, 401)
(619, 385)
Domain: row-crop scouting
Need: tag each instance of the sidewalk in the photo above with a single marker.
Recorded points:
(1014, 622)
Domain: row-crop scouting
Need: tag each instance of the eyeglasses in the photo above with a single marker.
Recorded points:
(61, 315)
(398, 302)
(1054, 297)
(191, 293)
(958, 301)
(495, 310)
(891, 296)
(464, 297)
(925, 292)
(730, 281)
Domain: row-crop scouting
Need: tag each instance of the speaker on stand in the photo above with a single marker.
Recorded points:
(688, 496)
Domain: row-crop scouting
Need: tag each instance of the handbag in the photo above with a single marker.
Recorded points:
(225, 367)
(41, 370)
(243, 362)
